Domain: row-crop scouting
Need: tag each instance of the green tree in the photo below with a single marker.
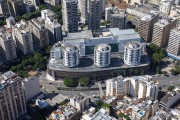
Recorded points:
(154, 48)
(158, 57)
(70, 82)
(23, 74)
(171, 88)
(122, 115)
(84, 81)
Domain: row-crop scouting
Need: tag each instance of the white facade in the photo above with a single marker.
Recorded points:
(70, 56)
(23, 37)
(7, 47)
(83, 7)
(10, 21)
(56, 53)
(165, 6)
(102, 55)
(80, 102)
(117, 86)
(107, 13)
(132, 53)
(51, 23)
(31, 87)
(137, 86)
(70, 15)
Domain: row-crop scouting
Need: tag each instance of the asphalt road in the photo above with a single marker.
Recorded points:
(51, 87)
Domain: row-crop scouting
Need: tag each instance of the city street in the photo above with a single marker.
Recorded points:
(52, 86)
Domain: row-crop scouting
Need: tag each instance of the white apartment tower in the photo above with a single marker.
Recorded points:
(102, 55)
(165, 6)
(51, 23)
(83, 7)
(70, 15)
(132, 53)
(70, 56)
(94, 18)
(7, 46)
(12, 99)
(23, 37)
(174, 43)
(137, 86)
(39, 33)
(117, 86)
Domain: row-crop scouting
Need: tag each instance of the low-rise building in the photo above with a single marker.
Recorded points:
(80, 102)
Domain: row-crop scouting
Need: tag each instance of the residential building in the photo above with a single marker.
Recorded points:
(7, 46)
(31, 86)
(173, 48)
(12, 99)
(103, 114)
(142, 87)
(39, 33)
(162, 115)
(117, 86)
(23, 37)
(102, 55)
(144, 110)
(94, 17)
(108, 13)
(70, 56)
(83, 7)
(51, 23)
(70, 15)
(162, 30)
(132, 53)
(137, 86)
(14, 6)
(118, 20)
(10, 21)
(165, 6)
(146, 26)
(80, 102)
(169, 100)
(4, 9)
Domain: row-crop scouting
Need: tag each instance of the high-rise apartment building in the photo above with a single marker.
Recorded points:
(51, 23)
(39, 33)
(162, 30)
(23, 37)
(132, 53)
(4, 9)
(117, 86)
(165, 6)
(137, 86)
(102, 55)
(83, 7)
(7, 46)
(70, 15)
(12, 99)
(16, 7)
(118, 20)
(94, 18)
(173, 48)
(146, 26)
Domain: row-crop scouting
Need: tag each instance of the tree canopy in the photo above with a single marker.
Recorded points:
(84, 81)
(70, 82)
